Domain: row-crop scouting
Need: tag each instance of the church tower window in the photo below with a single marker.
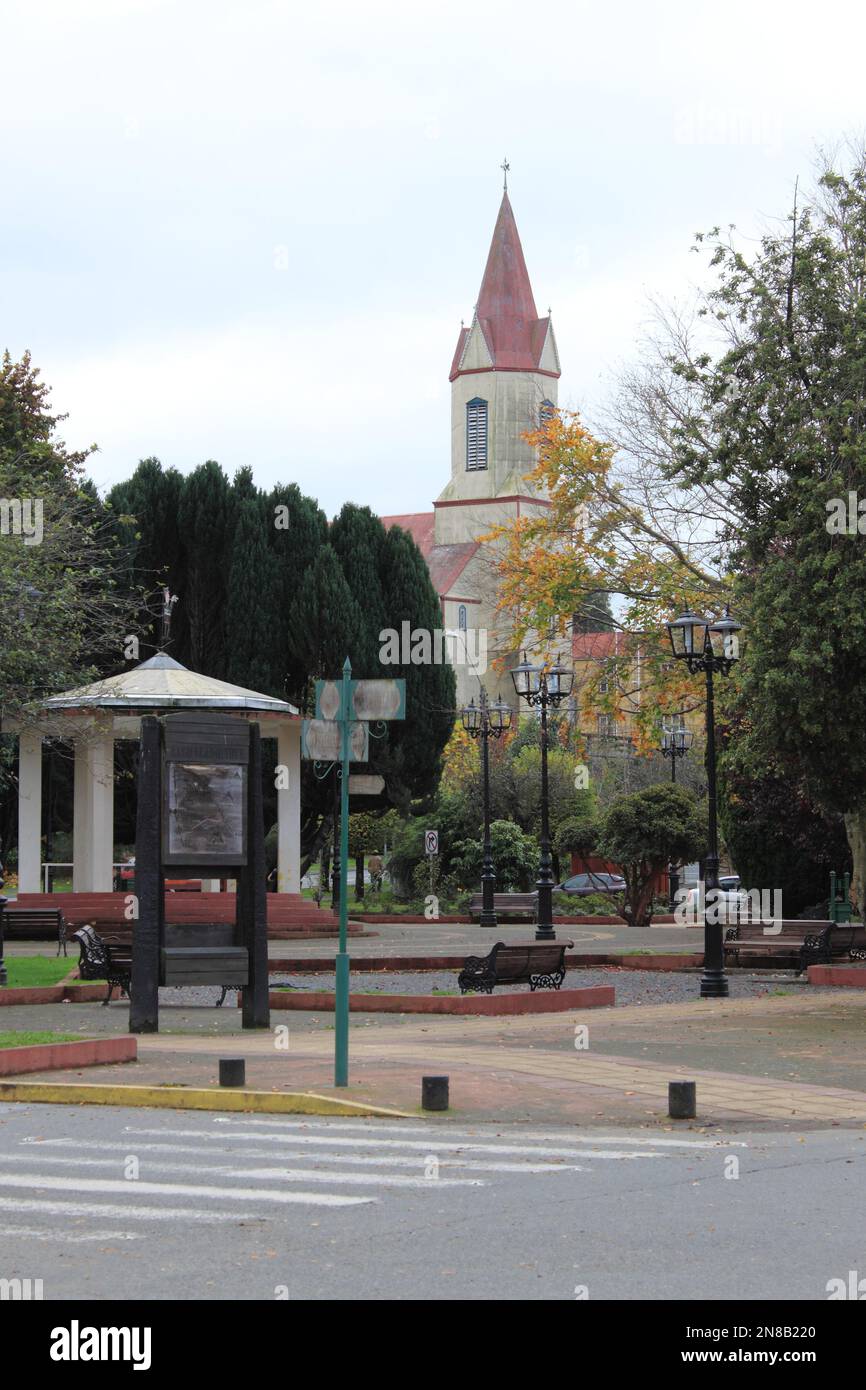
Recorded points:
(476, 435)
(461, 617)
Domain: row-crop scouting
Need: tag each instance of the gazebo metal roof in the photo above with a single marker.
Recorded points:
(162, 683)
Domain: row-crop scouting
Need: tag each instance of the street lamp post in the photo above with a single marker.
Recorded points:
(675, 744)
(713, 648)
(545, 689)
(486, 721)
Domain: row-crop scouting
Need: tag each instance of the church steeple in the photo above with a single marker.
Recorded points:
(513, 337)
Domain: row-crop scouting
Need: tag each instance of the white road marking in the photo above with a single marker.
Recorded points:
(477, 1165)
(106, 1211)
(41, 1182)
(428, 1147)
(555, 1136)
(279, 1174)
(69, 1237)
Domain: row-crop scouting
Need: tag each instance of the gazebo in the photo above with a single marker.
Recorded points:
(94, 717)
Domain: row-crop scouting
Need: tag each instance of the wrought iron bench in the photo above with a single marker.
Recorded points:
(521, 907)
(109, 957)
(540, 964)
(104, 960)
(802, 943)
(27, 923)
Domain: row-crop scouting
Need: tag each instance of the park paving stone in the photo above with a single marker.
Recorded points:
(795, 1059)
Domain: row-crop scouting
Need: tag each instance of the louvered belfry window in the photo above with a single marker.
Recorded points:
(476, 435)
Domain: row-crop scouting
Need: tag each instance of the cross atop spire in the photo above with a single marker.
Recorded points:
(505, 166)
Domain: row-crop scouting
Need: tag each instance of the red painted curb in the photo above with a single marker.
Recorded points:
(90, 1052)
(550, 1002)
(53, 994)
(42, 994)
(852, 976)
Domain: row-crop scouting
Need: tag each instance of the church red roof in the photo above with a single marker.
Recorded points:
(445, 562)
(506, 311)
(418, 524)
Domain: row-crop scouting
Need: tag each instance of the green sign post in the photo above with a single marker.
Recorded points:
(346, 703)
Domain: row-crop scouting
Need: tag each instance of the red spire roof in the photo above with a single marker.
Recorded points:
(506, 311)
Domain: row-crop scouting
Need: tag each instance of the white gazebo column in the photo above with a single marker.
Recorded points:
(289, 810)
(29, 812)
(82, 868)
(102, 813)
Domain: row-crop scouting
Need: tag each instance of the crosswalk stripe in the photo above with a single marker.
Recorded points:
(280, 1174)
(429, 1146)
(476, 1165)
(41, 1181)
(67, 1237)
(106, 1211)
(554, 1136)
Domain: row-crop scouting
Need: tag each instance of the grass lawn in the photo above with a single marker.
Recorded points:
(28, 1039)
(27, 972)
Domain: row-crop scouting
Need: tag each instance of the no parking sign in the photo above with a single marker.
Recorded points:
(431, 842)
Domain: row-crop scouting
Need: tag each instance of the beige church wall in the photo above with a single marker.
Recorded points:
(455, 524)
(479, 581)
(514, 400)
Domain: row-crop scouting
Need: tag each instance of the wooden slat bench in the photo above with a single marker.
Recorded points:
(35, 923)
(540, 964)
(522, 907)
(801, 943)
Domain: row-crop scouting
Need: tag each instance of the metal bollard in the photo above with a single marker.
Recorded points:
(434, 1092)
(233, 1071)
(682, 1100)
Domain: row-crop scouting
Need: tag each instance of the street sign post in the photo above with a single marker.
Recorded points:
(366, 784)
(340, 733)
(431, 842)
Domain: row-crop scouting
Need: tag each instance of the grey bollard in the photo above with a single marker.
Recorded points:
(233, 1071)
(434, 1092)
(682, 1100)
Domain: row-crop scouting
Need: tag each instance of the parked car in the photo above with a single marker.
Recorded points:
(732, 898)
(583, 885)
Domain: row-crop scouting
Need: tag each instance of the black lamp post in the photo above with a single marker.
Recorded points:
(712, 648)
(486, 721)
(544, 689)
(675, 744)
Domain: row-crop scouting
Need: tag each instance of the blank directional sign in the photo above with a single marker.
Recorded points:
(369, 700)
(322, 739)
(431, 842)
(366, 784)
(379, 699)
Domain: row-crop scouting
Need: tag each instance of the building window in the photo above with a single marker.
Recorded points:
(476, 435)
(461, 617)
(546, 411)
(604, 726)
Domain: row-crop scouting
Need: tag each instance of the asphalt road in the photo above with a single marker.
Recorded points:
(134, 1203)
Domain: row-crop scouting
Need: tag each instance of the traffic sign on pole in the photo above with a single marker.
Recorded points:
(431, 842)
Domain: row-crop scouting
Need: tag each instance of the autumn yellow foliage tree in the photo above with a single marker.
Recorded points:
(628, 532)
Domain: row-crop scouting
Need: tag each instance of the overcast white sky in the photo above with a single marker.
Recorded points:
(248, 231)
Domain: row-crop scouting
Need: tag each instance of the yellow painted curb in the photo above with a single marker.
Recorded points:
(193, 1098)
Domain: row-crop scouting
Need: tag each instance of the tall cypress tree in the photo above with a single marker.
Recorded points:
(297, 529)
(204, 519)
(412, 756)
(151, 539)
(250, 619)
(359, 540)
